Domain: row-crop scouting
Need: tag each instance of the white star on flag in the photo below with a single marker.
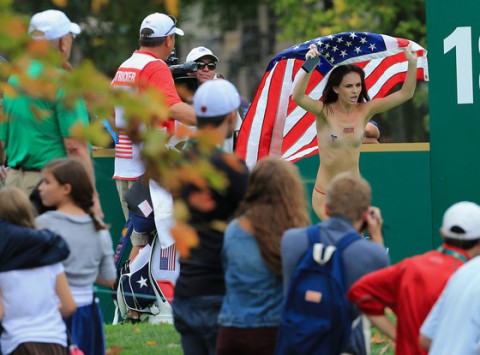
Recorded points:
(142, 282)
(275, 125)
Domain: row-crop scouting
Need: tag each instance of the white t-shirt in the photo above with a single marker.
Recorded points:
(453, 324)
(31, 307)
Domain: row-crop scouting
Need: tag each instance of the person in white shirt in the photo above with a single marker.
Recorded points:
(32, 321)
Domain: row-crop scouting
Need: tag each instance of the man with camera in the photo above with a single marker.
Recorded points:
(146, 68)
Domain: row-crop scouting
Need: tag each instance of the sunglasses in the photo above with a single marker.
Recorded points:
(202, 65)
(173, 26)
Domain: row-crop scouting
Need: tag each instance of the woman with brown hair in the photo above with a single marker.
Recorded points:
(342, 114)
(250, 314)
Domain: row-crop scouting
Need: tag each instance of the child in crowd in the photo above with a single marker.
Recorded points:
(67, 187)
(32, 321)
(250, 314)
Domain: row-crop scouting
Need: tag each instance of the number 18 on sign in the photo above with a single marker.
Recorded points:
(460, 40)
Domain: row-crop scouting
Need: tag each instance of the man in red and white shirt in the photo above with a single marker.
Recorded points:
(146, 68)
(411, 287)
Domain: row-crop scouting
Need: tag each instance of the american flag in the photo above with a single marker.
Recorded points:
(168, 258)
(123, 149)
(275, 125)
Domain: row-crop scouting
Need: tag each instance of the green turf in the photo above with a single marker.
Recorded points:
(147, 339)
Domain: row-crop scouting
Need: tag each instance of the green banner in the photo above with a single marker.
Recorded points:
(453, 42)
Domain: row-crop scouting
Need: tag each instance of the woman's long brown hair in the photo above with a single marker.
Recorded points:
(274, 202)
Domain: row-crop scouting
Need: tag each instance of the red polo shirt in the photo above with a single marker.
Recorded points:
(410, 288)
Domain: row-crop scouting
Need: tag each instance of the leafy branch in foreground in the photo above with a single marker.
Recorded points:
(144, 113)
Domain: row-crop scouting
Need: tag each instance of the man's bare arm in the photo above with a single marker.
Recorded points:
(183, 113)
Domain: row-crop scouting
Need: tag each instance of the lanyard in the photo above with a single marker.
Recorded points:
(452, 253)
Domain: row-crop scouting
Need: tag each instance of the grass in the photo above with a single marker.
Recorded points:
(147, 339)
(142, 338)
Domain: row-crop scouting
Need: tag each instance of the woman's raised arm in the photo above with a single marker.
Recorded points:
(299, 95)
(402, 95)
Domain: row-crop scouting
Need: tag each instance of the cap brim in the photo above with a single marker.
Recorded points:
(75, 29)
(178, 31)
(212, 56)
(201, 55)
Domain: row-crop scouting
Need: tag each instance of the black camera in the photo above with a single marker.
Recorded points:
(365, 223)
(182, 70)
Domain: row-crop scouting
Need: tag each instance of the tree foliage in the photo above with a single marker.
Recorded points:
(110, 28)
(314, 18)
(300, 21)
(144, 112)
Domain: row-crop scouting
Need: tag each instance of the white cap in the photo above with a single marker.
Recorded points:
(464, 215)
(214, 98)
(199, 52)
(161, 26)
(53, 24)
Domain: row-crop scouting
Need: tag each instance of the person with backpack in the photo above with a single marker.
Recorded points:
(319, 265)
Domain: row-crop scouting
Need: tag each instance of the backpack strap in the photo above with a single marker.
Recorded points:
(313, 233)
(322, 253)
(343, 243)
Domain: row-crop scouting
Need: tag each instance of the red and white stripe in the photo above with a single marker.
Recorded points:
(275, 125)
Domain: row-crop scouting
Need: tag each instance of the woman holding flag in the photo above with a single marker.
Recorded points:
(341, 115)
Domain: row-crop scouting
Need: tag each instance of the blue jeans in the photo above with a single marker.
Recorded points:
(195, 318)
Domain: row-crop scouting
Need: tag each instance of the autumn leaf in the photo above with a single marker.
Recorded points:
(114, 350)
(151, 342)
(180, 210)
(183, 131)
(97, 5)
(39, 48)
(39, 113)
(8, 90)
(191, 174)
(233, 162)
(172, 7)
(185, 238)
(93, 133)
(154, 143)
(378, 338)
(60, 3)
(12, 28)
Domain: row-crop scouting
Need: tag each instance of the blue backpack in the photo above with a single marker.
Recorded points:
(316, 315)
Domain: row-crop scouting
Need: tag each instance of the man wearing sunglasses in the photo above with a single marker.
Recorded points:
(206, 63)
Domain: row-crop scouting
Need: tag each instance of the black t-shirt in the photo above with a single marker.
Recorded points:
(202, 272)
